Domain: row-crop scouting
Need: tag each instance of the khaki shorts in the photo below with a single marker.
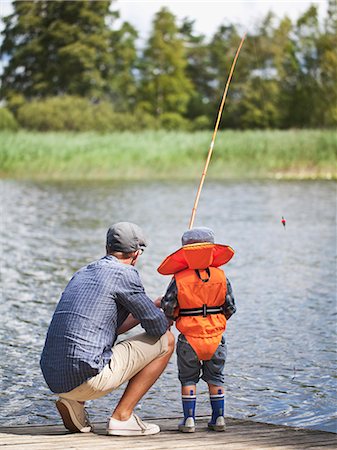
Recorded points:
(128, 358)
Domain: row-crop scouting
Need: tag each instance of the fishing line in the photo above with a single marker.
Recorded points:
(222, 104)
(264, 97)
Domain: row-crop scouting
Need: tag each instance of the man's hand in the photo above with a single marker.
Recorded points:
(157, 302)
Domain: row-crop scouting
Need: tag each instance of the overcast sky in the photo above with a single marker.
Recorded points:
(208, 15)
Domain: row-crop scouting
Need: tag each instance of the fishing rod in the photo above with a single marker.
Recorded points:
(222, 104)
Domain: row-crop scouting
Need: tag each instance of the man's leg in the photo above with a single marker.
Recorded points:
(74, 415)
(141, 383)
(139, 360)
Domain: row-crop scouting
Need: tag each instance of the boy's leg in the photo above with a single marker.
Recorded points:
(217, 398)
(189, 368)
(188, 397)
(213, 374)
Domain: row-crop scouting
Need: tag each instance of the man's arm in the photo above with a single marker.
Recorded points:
(133, 298)
(129, 323)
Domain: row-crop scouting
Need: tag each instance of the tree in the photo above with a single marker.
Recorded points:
(328, 67)
(165, 86)
(260, 91)
(305, 103)
(287, 67)
(222, 48)
(198, 70)
(57, 48)
(122, 86)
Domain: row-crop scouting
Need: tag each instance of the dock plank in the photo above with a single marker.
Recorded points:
(240, 435)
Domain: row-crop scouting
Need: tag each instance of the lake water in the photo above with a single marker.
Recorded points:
(281, 365)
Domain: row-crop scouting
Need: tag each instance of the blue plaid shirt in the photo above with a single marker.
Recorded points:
(83, 330)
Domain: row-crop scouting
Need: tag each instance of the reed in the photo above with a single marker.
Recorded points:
(293, 154)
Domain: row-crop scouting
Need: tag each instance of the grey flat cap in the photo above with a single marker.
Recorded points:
(198, 234)
(125, 237)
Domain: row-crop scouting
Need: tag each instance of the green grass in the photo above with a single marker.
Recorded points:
(295, 154)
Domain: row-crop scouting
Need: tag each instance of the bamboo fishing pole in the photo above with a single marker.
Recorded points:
(222, 104)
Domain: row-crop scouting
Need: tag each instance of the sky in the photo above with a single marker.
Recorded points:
(208, 14)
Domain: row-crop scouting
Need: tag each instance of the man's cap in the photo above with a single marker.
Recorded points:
(125, 237)
(196, 235)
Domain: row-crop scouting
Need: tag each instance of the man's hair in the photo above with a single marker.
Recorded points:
(120, 255)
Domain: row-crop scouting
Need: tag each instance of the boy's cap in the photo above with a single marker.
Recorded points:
(125, 237)
(198, 234)
(208, 254)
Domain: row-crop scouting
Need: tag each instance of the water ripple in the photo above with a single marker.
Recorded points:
(281, 365)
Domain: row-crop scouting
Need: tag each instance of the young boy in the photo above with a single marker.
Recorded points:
(200, 299)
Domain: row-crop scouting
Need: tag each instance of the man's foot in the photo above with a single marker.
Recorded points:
(219, 424)
(131, 427)
(74, 416)
(187, 426)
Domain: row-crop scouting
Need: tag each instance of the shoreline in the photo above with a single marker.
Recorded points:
(169, 156)
(302, 174)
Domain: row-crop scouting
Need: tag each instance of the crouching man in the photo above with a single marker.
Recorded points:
(81, 361)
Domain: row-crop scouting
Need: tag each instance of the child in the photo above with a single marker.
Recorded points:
(200, 299)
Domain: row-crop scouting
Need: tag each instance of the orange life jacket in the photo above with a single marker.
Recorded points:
(203, 332)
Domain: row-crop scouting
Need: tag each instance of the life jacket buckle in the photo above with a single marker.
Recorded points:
(204, 311)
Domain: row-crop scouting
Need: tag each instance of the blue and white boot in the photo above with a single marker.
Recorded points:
(187, 425)
(218, 425)
(217, 422)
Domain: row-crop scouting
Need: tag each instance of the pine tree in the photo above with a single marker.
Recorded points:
(165, 86)
(286, 64)
(304, 107)
(328, 68)
(260, 91)
(122, 87)
(222, 48)
(197, 70)
(57, 47)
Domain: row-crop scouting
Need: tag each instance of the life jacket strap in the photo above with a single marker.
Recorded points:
(204, 280)
(204, 311)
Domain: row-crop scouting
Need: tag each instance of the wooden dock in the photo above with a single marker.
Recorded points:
(240, 435)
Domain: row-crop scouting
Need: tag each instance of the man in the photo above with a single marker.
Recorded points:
(80, 360)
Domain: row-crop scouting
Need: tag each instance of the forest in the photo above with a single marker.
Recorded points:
(68, 66)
